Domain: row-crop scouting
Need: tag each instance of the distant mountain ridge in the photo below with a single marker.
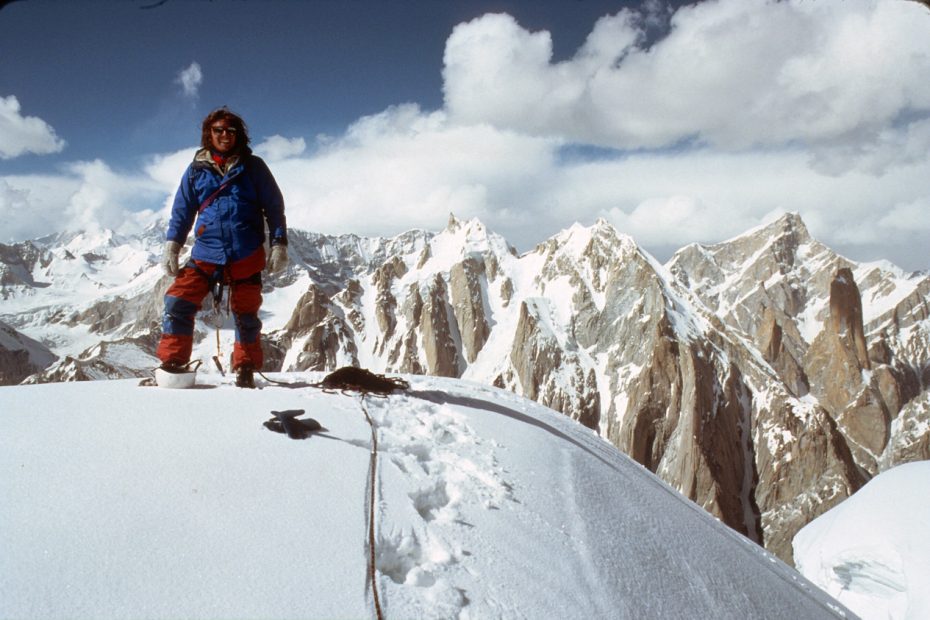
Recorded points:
(765, 377)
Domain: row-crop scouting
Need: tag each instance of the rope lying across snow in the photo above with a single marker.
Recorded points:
(372, 482)
(364, 383)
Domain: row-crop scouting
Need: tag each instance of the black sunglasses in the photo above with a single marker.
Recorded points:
(217, 131)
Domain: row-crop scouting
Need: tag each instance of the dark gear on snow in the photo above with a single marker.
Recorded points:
(352, 379)
(287, 422)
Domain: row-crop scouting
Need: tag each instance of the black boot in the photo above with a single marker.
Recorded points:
(245, 377)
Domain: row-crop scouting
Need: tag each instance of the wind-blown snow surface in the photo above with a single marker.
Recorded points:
(126, 501)
(873, 551)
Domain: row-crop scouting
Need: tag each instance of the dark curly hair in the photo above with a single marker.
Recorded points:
(234, 120)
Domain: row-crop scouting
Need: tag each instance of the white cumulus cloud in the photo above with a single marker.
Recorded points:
(276, 148)
(13, 203)
(24, 134)
(732, 74)
(190, 80)
(166, 169)
(407, 168)
(87, 195)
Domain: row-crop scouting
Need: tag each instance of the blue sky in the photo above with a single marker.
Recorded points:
(677, 123)
(103, 73)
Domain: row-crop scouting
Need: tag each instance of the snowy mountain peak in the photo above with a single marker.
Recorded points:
(463, 239)
(785, 241)
(789, 224)
(90, 240)
(600, 239)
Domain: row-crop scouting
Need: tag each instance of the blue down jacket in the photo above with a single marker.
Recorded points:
(232, 226)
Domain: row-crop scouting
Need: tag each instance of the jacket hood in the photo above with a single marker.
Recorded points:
(204, 158)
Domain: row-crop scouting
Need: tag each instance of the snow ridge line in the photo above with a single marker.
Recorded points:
(372, 482)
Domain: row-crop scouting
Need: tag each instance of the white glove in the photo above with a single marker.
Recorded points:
(278, 260)
(170, 260)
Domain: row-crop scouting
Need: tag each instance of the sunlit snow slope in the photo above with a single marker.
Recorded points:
(127, 501)
(873, 551)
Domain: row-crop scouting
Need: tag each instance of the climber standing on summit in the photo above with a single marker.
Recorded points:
(231, 194)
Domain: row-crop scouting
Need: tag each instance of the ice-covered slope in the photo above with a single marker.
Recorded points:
(127, 501)
(872, 551)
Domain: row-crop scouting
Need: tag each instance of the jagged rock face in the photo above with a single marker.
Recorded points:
(770, 339)
(836, 357)
(439, 332)
(405, 355)
(910, 434)
(688, 429)
(846, 316)
(760, 377)
(468, 303)
(17, 263)
(825, 324)
(385, 302)
(118, 359)
(804, 467)
(548, 375)
(21, 356)
(534, 349)
(317, 333)
(839, 367)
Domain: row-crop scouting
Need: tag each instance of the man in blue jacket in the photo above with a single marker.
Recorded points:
(227, 195)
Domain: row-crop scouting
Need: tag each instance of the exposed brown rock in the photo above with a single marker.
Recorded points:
(438, 331)
(327, 341)
(468, 304)
(553, 378)
(846, 316)
(838, 366)
(804, 467)
(771, 342)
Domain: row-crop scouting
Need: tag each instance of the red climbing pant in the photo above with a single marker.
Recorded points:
(184, 298)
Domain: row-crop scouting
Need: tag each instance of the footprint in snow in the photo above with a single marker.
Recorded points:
(443, 469)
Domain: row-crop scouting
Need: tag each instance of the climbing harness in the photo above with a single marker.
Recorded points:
(218, 314)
